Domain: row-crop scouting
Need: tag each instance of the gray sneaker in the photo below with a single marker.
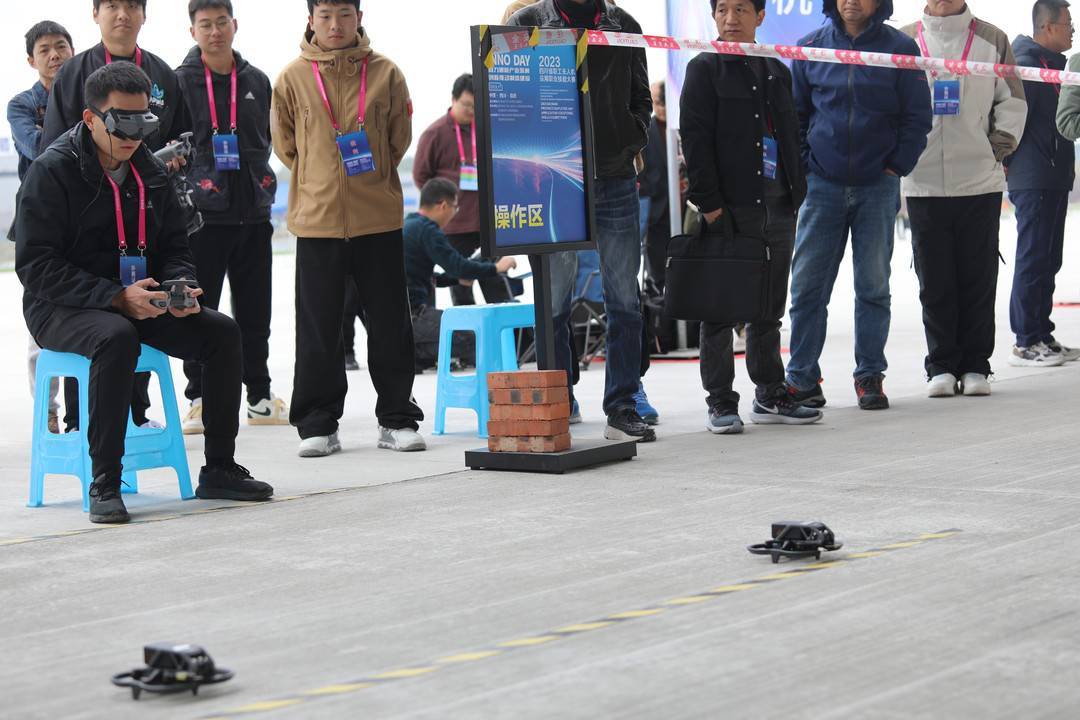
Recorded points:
(403, 440)
(723, 421)
(1070, 354)
(106, 505)
(320, 446)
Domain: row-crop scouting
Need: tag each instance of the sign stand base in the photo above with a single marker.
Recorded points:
(584, 454)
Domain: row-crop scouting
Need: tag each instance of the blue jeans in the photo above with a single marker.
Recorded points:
(832, 212)
(1040, 220)
(619, 242)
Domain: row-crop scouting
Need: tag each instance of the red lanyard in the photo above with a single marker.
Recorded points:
(213, 101)
(967, 48)
(121, 232)
(362, 103)
(1057, 88)
(138, 56)
(461, 144)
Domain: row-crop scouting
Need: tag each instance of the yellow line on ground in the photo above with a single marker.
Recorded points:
(783, 575)
(634, 614)
(406, 673)
(690, 600)
(867, 554)
(733, 588)
(585, 627)
(468, 657)
(897, 546)
(528, 642)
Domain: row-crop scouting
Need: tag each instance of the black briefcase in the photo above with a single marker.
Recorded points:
(718, 275)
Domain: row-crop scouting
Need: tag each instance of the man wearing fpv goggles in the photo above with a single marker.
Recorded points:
(98, 227)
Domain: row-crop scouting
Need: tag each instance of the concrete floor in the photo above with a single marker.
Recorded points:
(421, 590)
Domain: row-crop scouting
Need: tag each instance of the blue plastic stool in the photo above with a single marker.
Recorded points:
(496, 351)
(69, 454)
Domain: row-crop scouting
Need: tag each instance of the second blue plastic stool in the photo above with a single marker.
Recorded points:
(496, 351)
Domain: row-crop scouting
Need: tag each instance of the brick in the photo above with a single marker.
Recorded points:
(530, 396)
(560, 411)
(527, 380)
(528, 428)
(540, 445)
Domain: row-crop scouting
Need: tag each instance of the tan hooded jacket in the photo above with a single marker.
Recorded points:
(323, 201)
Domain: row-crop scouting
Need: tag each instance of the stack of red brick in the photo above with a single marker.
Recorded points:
(530, 412)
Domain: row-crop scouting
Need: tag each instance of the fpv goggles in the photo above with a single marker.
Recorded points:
(129, 124)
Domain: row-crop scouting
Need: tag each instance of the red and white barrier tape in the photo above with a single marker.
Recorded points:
(513, 41)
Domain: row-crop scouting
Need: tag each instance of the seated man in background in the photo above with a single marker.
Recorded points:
(88, 290)
(426, 246)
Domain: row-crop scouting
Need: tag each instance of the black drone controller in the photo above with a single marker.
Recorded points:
(178, 299)
(184, 148)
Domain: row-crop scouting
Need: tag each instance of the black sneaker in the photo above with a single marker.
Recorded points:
(106, 505)
(231, 482)
(628, 425)
(350, 363)
(871, 392)
(782, 410)
(812, 398)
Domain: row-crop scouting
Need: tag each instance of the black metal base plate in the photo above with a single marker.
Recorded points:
(584, 454)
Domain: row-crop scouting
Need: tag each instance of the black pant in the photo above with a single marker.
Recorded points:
(494, 287)
(763, 360)
(377, 265)
(112, 342)
(353, 312)
(244, 253)
(427, 328)
(956, 257)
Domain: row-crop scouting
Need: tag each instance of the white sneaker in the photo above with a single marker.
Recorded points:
(270, 411)
(942, 386)
(975, 385)
(404, 440)
(1036, 356)
(1070, 354)
(739, 345)
(193, 420)
(152, 425)
(320, 446)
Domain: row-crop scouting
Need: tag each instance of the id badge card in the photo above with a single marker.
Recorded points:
(946, 97)
(226, 152)
(771, 156)
(356, 153)
(132, 269)
(470, 179)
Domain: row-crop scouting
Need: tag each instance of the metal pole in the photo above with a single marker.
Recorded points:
(545, 326)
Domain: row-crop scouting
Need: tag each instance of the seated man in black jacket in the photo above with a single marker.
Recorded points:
(740, 136)
(98, 225)
(427, 246)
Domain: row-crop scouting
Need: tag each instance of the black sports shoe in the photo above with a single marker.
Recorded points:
(106, 505)
(782, 410)
(812, 398)
(231, 482)
(628, 425)
(871, 392)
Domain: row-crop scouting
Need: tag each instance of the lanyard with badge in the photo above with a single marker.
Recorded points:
(138, 56)
(946, 92)
(470, 176)
(132, 269)
(770, 151)
(354, 147)
(226, 146)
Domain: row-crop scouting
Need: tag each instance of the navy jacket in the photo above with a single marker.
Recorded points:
(857, 121)
(1045, 160)
(425, 247)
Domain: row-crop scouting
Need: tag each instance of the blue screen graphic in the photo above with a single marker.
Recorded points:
(537, 161)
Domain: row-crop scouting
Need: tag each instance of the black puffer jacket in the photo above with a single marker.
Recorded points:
(618, 86)
(67, 251)
(232, 197)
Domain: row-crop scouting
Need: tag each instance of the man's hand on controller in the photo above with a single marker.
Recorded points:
(135, 301)
(193, 310)
(506, 264)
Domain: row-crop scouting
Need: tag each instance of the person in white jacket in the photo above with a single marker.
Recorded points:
(955, 195)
